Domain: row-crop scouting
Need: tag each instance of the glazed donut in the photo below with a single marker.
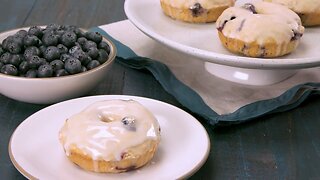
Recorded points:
(308, 10)
(260, 29)
(195, 11)
(111, 136)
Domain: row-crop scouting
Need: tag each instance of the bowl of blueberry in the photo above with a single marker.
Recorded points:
(48, 64)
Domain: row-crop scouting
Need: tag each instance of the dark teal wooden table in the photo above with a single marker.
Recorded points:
(282, 146)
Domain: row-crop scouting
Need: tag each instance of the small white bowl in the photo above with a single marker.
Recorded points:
(53, 89)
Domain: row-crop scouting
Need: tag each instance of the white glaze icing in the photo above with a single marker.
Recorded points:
(300, 6)
(272, 22)
(207, 4)
(99, 132)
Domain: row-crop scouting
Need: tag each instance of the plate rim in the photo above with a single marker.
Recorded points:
(217, 58)
(187, 174)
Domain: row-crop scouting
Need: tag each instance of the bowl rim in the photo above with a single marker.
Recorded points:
(111, 58)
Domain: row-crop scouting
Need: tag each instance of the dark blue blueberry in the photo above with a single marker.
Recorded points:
(93, 64)
(89, 44)
(45, 71)
(23, 67)
(61, 72)
(93, 52)
(82, 40)
(103, 56)
(64, 57)
(53, 27)
(42, 49)
(68, 38)
(31, 40)
(79, 32)
(1, 50)
(15, 59)
(94, 36)
(105, 46)
(72, 66)
(83, 69)
(21, 33)
(82, 56)
(5, 58)
(63, 49)
(14, 47)
(51, 53)
(18, 39)
(31, 73)
(9, 69)
(35, 30)
(6, 42)
(74, 49)
(30, 51)
(86, 60)
(50, 39)
(57, 64)
(34, 62)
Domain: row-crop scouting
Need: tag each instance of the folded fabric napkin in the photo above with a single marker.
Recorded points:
(189, 98)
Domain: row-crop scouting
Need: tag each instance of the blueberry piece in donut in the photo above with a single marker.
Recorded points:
(129, 123)
(197, 10)
(296, 35)
(250, 7)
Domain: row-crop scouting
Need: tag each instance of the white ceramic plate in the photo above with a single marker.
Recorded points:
(201, 40)
(36, 152)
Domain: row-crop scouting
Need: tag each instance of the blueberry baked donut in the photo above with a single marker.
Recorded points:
(195, 11)
(308, 10)
(111, 136)
(260, 29)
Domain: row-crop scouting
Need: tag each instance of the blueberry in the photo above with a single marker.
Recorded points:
(9, 69)
(61, 72)
(23, 67)
(103, 56)
(88, 44)
(86, 60)
(51, 53)
(93, 52)
(82, 56)
(105, 46)
(45, 71)
(1, 50)
(83, 69)
(82, 40)
(93, 64)
(74, 49)
(42, 49)
(57, 64)
(94, 36)
(30, 51)
(5, 58)
(1, 64)
(14, 47)
(53, 27)
(35, 30)
(68, 38)
(6, 42)
(72, 65)
(62, 49)
(31, 40)
(34, 61)
(15, 59)
(50, 39)
(31, 73)
(21, 33)
(64, 57)
(79, 32)
(18, 39)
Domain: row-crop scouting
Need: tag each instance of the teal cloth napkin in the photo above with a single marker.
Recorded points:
(290, 99)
